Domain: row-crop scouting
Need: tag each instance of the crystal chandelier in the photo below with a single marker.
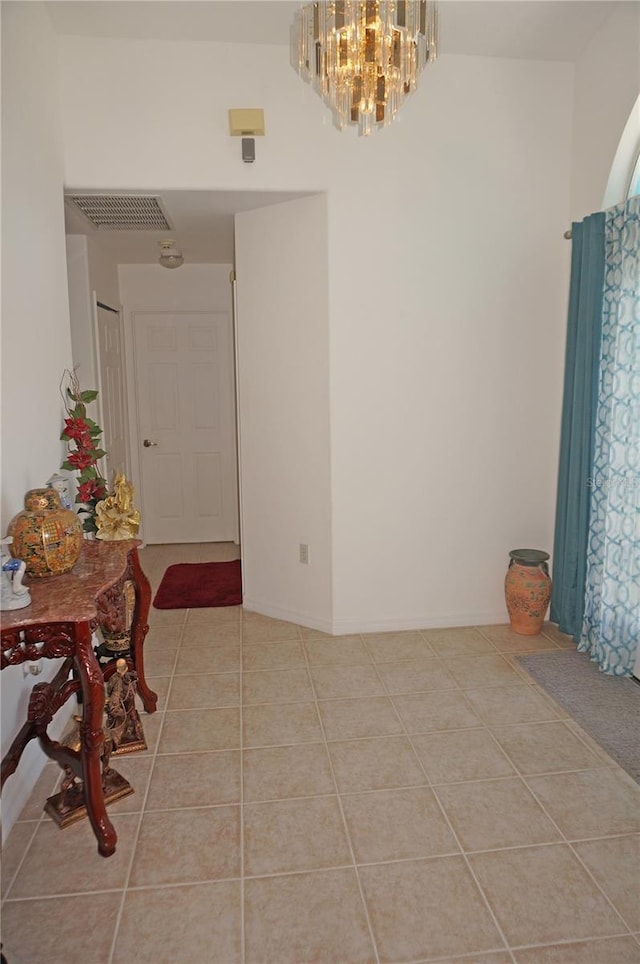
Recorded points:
(364, 56)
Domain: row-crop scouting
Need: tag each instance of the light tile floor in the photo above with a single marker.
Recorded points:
(387, 797)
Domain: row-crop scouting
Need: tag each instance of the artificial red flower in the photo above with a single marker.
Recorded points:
(81, 460)
(93, 489)
(78, 430)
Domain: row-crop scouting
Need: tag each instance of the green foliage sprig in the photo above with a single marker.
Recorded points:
(85, 435)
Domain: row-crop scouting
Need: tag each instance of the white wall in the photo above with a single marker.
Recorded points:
(283, 350)
(444, 445)
(36, 345)
(83, 342)
(447, 291)
(607, 84)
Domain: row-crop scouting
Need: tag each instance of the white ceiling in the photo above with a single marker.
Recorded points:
(203, 221)
(535, 29)
(202, 225)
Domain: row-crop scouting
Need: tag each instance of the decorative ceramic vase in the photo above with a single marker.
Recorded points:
(527, 590)
(46, 536)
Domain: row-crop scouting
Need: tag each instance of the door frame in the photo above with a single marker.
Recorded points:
(128, 316)
(119, 311)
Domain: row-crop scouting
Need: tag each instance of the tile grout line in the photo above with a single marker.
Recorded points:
(452, 830)
(341, 808)
(136, 836)
(565, 841)
(36, 824)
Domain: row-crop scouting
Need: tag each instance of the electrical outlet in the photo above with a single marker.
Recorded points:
(304, 553)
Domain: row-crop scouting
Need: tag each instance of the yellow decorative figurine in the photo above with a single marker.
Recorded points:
(116, 517)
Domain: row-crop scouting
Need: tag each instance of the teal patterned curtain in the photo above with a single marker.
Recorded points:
(579, 404)
(611, 621)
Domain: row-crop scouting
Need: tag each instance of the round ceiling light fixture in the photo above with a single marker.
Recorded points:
(170, 258)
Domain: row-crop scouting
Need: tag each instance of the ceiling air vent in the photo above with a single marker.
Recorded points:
(122, 212)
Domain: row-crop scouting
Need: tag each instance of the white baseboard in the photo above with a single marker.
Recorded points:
(426, 621)
(345, 627)
(288, 615)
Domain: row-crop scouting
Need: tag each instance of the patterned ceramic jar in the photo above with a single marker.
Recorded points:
(527, 589)
(46, 536)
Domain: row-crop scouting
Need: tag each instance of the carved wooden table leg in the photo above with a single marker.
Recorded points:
(92, 683)
(139, 629)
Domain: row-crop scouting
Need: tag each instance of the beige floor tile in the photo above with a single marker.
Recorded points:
(282, 655)
(615, 864)
(447, 710)
(337, 682)
(274, 773)
(513, 660)
(273, 724)
(201, 633)
(394, 646)
(161, 619)
(151, 726)
(463, 641)
(614, 950)
(397, 825)
(525, 644)
(262, 629)
(341, 651)
(136, 769)
(543, 894)
(582, 735)
(219, 552)
(14, 849)
(306, 632)
(75, 849)
(561, 639)
(544, 747)
(489, 670)
(160, 686)
(198, 924)
(491, 814)
(375, 764)
(194, 780)
(214, 657)
(315, 917)
(53, 929)
(199, 692)
(415, 676)
(498, 705)
(590, 803)
(165, 853)
(459, 755)
(294, 835)
(495, 957)
(276, 686)
(506, 640)
(213, 616)
(160, 660)
(353, 719)
(193, 730)
(427, 909)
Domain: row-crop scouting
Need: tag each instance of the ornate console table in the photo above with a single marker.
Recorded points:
(64, 612)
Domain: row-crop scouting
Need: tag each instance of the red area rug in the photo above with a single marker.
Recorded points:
(197, 585)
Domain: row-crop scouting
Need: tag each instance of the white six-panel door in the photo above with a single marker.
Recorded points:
(186, 417)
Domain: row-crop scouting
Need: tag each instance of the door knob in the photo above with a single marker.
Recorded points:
(148, 443)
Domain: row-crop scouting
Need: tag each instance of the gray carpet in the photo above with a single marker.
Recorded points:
(607, 707)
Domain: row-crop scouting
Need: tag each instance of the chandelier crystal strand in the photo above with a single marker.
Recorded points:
(363, 57)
